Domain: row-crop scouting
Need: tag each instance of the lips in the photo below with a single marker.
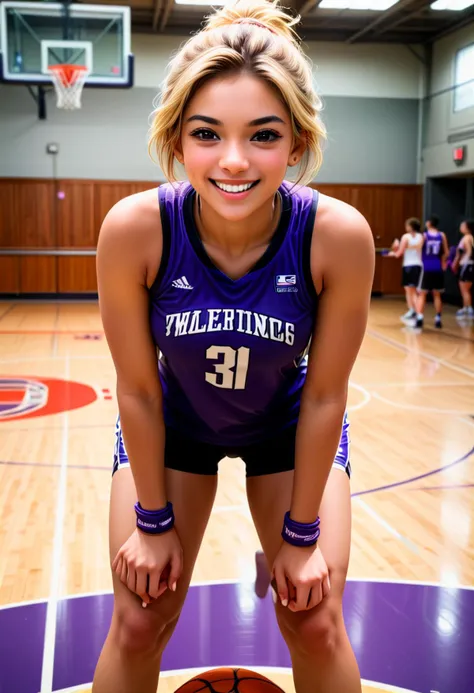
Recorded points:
(235, 188)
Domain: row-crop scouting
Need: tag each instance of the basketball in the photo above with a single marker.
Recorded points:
(227, 680)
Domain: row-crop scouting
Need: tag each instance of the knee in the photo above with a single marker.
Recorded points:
(140, 631)
(312, 633)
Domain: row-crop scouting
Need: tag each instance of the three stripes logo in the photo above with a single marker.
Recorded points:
(182, 283)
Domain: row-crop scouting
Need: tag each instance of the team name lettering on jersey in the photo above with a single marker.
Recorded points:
(230, 320)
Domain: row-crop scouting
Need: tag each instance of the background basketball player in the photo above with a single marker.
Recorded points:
(225, 274)
(434, 254)
(464, 265)
(409, 248)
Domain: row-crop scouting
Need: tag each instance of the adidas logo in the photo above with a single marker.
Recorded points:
(182, 283)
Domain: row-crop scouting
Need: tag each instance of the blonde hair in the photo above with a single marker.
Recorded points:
(252, 36)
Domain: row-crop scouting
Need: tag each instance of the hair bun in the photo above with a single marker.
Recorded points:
(260, 13)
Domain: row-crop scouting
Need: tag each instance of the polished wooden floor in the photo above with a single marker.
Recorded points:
(411, 405)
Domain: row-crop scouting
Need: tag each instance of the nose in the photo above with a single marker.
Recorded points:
(233, 158)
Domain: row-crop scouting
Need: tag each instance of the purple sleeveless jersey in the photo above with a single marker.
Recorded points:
(232, 363)
(432, 251)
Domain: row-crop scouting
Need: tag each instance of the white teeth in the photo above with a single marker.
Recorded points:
(233, 188)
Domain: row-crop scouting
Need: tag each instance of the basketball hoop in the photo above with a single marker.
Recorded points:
(68, 83)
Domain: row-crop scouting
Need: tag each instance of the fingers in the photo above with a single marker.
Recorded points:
(315, 597)
(116, 565)
(281, 585)
(326, 586)
(176, 567)
(318, 592)
(131, 578)
(141, 584)
(301, 600)
(123, 575)
(153, 583)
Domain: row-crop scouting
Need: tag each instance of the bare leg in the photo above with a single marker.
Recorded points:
(130, 658)
(465, 288)
(438, 303)
(408, 297)
(421, 302)
(322, 657)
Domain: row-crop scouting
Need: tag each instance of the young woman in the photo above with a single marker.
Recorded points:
(464, 265)
(233, 275)
(409, 248)
(434, 255)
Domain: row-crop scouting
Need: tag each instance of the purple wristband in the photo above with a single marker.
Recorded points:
(299, 534)
(155, 521)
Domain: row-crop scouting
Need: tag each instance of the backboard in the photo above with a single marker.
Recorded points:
(34, 36)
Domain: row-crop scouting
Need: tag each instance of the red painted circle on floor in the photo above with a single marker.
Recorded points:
(27, 396)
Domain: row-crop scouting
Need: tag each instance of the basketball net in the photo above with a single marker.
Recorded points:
(68, 83)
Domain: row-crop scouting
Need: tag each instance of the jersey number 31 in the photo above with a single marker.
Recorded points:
(231, 371)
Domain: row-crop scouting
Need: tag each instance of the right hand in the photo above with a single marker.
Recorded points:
(142, 562)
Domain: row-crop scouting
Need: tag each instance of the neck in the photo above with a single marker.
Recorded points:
(237, 237)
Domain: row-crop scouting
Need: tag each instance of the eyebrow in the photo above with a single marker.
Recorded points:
(253, 123)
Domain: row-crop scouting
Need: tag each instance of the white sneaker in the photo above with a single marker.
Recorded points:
(409, 315)
(460, 313)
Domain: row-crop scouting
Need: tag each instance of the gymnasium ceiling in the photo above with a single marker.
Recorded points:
(407, 21)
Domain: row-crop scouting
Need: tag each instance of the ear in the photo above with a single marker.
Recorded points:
(178, 153)
(298, 149)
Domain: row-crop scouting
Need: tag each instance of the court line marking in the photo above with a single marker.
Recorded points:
(354, 494)
(234, 581)
(366, 394)
(22, 333)
(52, 608)
(375, 515)
(395, 484)
(9, 308)
(35, 359)
(446, 487)
(424, 354)
(445, 334)
(403, 383)
(264, 670)
(419, 407)
(54, 349)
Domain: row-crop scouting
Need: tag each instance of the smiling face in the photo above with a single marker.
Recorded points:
(236, 144)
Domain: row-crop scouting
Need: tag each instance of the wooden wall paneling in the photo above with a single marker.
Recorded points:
(37, 274)
(377, 281)
(108, 193)
(26, 213)
(384, 206)
(77, 274)
(392, 276)
(34, 213)
(8, 224)
(9, 274)
(75, 214)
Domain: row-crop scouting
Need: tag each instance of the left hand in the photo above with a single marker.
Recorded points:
(305, 569)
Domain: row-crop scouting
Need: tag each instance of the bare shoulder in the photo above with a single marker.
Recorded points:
(131, 232)
(342, 238)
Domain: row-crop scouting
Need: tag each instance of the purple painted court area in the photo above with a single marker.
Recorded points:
(21, 648)
(412, 636)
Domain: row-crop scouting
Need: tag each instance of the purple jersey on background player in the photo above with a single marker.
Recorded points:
(232, 361)
(432, 251)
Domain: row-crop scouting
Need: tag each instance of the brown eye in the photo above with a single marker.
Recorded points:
(204, 135)
(266, 136)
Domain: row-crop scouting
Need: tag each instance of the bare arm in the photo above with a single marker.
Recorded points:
(401, 248)
(131, 233)
(445, 249)
(346, 258)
